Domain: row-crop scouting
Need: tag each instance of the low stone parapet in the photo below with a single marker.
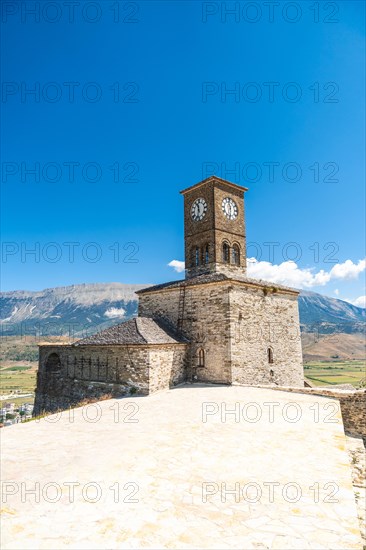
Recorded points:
(352, 402)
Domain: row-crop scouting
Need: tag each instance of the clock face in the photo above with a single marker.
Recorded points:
(229, 208)
(198, 210)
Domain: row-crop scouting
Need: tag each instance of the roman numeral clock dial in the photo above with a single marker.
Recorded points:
(198, 209)
(229, 208)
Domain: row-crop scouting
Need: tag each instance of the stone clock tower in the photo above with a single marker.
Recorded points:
(215, 326)
(214, 228)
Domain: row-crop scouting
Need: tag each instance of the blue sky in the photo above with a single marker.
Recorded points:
(128, 112)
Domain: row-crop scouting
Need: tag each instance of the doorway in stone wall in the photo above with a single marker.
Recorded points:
(198, 363)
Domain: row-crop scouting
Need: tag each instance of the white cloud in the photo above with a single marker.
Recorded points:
(347, 270)
(289, 273)
(115, 312)
(178, 266)
(359, 302)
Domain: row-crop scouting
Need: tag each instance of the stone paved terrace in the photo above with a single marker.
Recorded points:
(172, 469)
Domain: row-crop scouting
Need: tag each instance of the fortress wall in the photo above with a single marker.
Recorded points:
(261, 319)
(162, 305)
(210, 330)
(353, 408)
(89, 373)
(235, 325)
(167, 367)
(205, 324)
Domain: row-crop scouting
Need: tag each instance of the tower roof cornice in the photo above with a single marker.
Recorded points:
(214, 179)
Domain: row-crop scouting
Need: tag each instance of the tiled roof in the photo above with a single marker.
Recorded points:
(140, 330)
(213, 278)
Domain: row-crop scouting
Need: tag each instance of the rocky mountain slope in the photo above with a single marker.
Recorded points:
(67, 311)
(338, 346)
(328, 315)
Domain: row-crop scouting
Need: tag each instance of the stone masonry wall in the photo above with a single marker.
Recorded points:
(235, 325)
(206, 325)
(167, 367)
(353, 406)
(213, 230)
(90, 372)
(263, 320)
(232, 231)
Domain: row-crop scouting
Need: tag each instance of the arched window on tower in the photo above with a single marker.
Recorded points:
(201, 357)
(226, 253)
(53, 363)
(197, 256)
(236, 255)
(207, 254)
(270, 355)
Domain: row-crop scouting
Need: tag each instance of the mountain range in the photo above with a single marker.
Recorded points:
(67, 311)
(87, 308)
(330, 327)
